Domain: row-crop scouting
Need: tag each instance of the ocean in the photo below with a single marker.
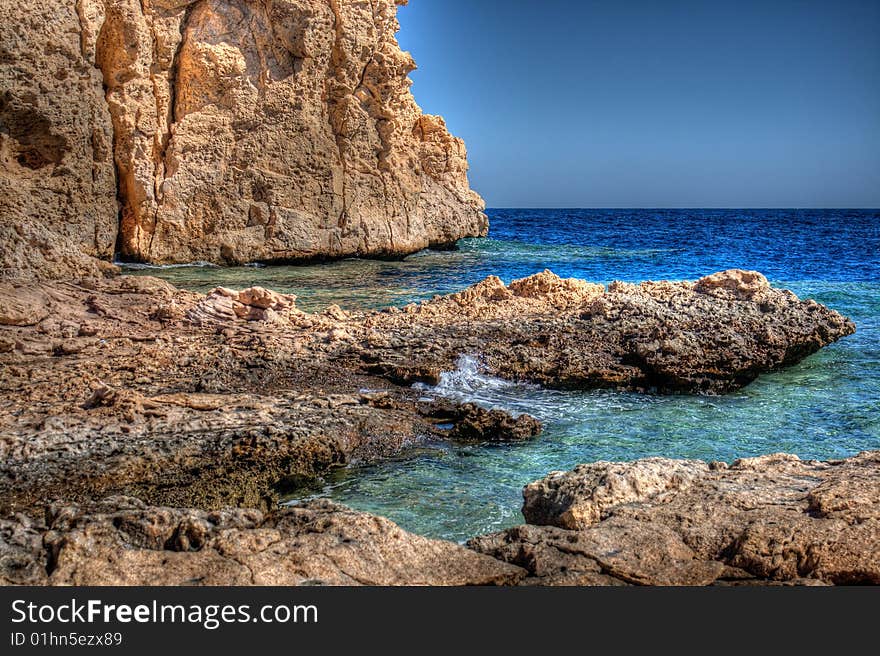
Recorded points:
(828, 406)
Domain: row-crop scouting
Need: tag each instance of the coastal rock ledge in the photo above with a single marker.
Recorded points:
(130, 387)
(772, 519)
(768, 520)
(227, 131)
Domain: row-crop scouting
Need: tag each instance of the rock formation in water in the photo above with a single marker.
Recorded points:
(241, 130)
(129, 386)
(714, 335)
(768, 520)
(668, 522)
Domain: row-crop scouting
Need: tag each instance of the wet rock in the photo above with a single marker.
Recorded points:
(216, 401)
(476, 424)
(656, 336)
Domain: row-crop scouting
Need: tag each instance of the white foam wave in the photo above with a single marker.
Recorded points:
(469, 383)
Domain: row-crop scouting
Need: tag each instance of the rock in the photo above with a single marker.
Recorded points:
(213, 159)
(23, 306)
(22, 558)
(57, 182)
(665, 522)
(476, 424)
(253, 304)
(655, 336)
(217, 163)
(232, 398)
(580, 498)
(122, 541)
(737, 284)
(265, 299)
(552, 289)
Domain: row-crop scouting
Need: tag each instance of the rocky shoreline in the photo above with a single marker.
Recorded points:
(760, 521)
(138, 417)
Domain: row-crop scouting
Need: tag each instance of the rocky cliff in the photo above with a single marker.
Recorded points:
(57, 184)
(218, 130)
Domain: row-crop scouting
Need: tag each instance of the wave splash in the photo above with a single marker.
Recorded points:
(469, 383)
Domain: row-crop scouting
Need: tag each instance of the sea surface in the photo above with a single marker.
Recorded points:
(826, 407)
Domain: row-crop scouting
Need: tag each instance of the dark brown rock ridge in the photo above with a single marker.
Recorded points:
(230, 130)
(121, 541)
(773, 519)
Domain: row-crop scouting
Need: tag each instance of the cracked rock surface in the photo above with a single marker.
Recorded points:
(231, 131)
(129, 386)
(772, 519)
(122, 541)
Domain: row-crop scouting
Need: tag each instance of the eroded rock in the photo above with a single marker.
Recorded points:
(129, 386)
(57, 181)
(476, 424)
(655, 336)
(233, 130)
(122, 541)
(666, 522)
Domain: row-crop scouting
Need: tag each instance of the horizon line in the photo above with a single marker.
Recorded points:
(647, 207)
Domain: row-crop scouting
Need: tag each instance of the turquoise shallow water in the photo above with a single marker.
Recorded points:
(826, 407)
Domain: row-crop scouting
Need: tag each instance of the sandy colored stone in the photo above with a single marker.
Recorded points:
(130, 386)
(122, 541)
(735, 283)
(57, 184)
(274, 131)
(773, 519)
(578, 499)
(230, 131)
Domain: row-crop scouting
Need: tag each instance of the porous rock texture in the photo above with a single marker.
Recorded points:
(772, 519)
(241, 130)
(121, 541)
(713, 335)
(58, 208)
(128, 386)
(197, 403)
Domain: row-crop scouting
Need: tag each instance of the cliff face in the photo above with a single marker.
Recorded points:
(57, 184)
(241, 130)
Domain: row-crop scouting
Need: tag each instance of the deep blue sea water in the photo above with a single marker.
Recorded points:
(826, 407)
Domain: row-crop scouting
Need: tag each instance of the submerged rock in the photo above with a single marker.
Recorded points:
(773, 519)
(476, 424)
(122, 541)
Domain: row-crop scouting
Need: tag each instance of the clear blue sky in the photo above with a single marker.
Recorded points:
(662, 103)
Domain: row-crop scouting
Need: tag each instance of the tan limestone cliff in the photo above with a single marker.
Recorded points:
(57, 185)
(242, 130)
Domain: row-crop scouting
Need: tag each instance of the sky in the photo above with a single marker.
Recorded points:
(672, 103)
